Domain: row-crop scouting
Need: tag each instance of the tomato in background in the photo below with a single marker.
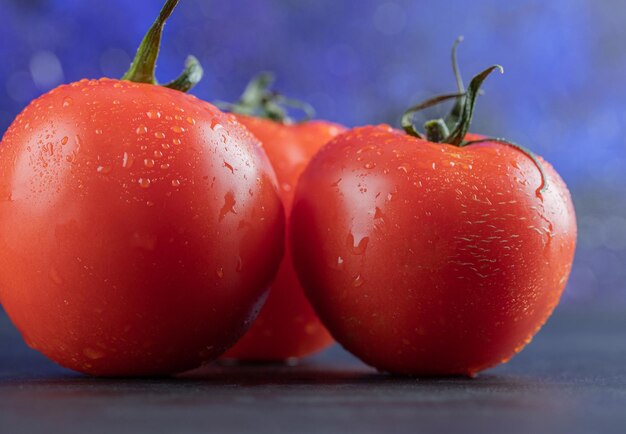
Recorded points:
(139, 226)
(287, 326)
(428, 256)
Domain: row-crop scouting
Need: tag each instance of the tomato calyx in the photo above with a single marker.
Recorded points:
(453, 129)
(142, 69)
(259, 100)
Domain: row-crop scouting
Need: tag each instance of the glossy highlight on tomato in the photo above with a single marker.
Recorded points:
(428, 258)
(287, 326)
(139, 228)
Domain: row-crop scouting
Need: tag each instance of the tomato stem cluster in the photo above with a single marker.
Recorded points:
(454, 128)
(142, 69)
(259, 100)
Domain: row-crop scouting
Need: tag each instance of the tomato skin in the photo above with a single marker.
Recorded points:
(287, 326)
(430, 259)
(139, 228)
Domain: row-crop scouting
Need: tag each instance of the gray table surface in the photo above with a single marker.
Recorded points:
(571, 378)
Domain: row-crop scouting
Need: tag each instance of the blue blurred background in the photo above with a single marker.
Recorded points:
(363, 61)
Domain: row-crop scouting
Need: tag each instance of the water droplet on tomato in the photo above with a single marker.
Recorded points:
(219, 272)
(177, 129)
(165, 166)
(165, 146)
(142, 129)
(175, 183)
(215, 124)
(67, 101)
(338, 265)
(99, 132)
(159, 135)
(190, 120)
(144, 182)
(157, 154)
(356, 248)
(153, 114)
(127, 160)
(229, 167)
(103, 169)
(148, 162)
(369, 165)
(357, 281)
(176, 142)
(93, 354)
(64, 140)
(239, 265)
(404, 168)
(229, 205)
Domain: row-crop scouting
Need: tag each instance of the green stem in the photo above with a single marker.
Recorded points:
(258, 99)
(142, 69)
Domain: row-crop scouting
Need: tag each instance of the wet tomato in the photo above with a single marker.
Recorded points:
(428, 256)
(287, 326)
(139, 227)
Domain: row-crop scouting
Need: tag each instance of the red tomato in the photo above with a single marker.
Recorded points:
(139, 228)
(287, 326)
(427, 258)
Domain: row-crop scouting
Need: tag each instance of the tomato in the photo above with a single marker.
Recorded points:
(430, 256)
(287, 326)
(139, 227)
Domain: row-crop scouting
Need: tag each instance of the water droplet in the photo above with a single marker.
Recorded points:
(229, 205)
(64, 140)
(141, 129)
(405, 168)
(67, 101)
(159, 135)
(149, 203)
(229, 167)
(369, 165)
(177, 129)
(148, 162)
(357, 281)
(190, 120)
(215, 124)
(239, 266)
(219, 272)
(378, 214)
(116, 102)
(286, 186)
(144, 182)
(99, 132)
(165, 166)
(157, 154)
(357, 248)
(127, 160)
(93, 354)
(165, 145)
(103, 169)
(339, 264)
(153, 114)
(175, 183)
(176, 141)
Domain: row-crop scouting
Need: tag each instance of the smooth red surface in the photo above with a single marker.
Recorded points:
(429, 259)
(139, 228)
(287, 326)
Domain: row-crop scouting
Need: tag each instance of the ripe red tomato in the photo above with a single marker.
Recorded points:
(139, 228)
(431, 258)
(287, 326)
